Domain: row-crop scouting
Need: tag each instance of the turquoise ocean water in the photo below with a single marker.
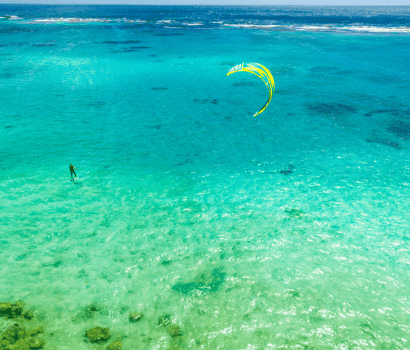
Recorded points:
(181, 208)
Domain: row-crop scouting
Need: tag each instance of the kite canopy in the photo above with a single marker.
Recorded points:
(260, 71)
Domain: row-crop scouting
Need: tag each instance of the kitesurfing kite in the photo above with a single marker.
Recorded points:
(260, 71)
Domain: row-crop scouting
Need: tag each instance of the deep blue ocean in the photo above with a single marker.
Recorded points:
(289, 230)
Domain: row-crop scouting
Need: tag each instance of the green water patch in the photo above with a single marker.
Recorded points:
(210, 283)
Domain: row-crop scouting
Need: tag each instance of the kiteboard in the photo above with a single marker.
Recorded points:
(76, 178)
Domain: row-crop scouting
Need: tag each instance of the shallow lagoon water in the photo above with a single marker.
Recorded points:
(181, 208)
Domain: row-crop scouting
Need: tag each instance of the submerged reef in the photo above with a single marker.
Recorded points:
(115, 345)
(385, 142)
(164, 320)
(215, 281)
(401, 128)
(331, 108)
(10, 310)
(294, 213)
(174, 330)
(288, 171)
(98, 335)
(135, 316)
(87, 313)
(17, 338)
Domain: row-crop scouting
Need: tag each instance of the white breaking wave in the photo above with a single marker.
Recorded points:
(12, 17)
(193, 24)
(70, 20)
(169, 23)
(377, 29)
(364, 29)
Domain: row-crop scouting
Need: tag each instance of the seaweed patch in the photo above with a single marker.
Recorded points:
(287, 171)
(114, 42)
(139, 47)
(98, 335)
(186, 161)
(16, 337)
(44, 44)
(393, 144)
(135, 317)
(294, 213)
(134, 48)
(98, 104)
(87, 313)
(168, 34)
(400, 128)
(206, 100)
(10, 73)
(331, 108)
(391, 111)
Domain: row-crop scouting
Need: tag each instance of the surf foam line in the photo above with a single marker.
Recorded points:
(118, 20)
(70, 20)
(308, 28)
(213, 24)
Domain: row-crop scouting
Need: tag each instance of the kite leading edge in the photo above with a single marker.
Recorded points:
(260, 71)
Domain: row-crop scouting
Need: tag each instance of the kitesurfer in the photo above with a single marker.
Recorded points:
(72, 171)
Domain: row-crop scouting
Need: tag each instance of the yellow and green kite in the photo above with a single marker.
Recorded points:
(260, 71)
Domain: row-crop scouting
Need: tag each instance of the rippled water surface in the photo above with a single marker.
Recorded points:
(285, 231)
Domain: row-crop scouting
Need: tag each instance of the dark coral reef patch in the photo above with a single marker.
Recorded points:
(16, 337)
(331, 108)
(400, 128)
(98, 335)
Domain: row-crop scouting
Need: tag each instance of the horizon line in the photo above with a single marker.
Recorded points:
(222, 5)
